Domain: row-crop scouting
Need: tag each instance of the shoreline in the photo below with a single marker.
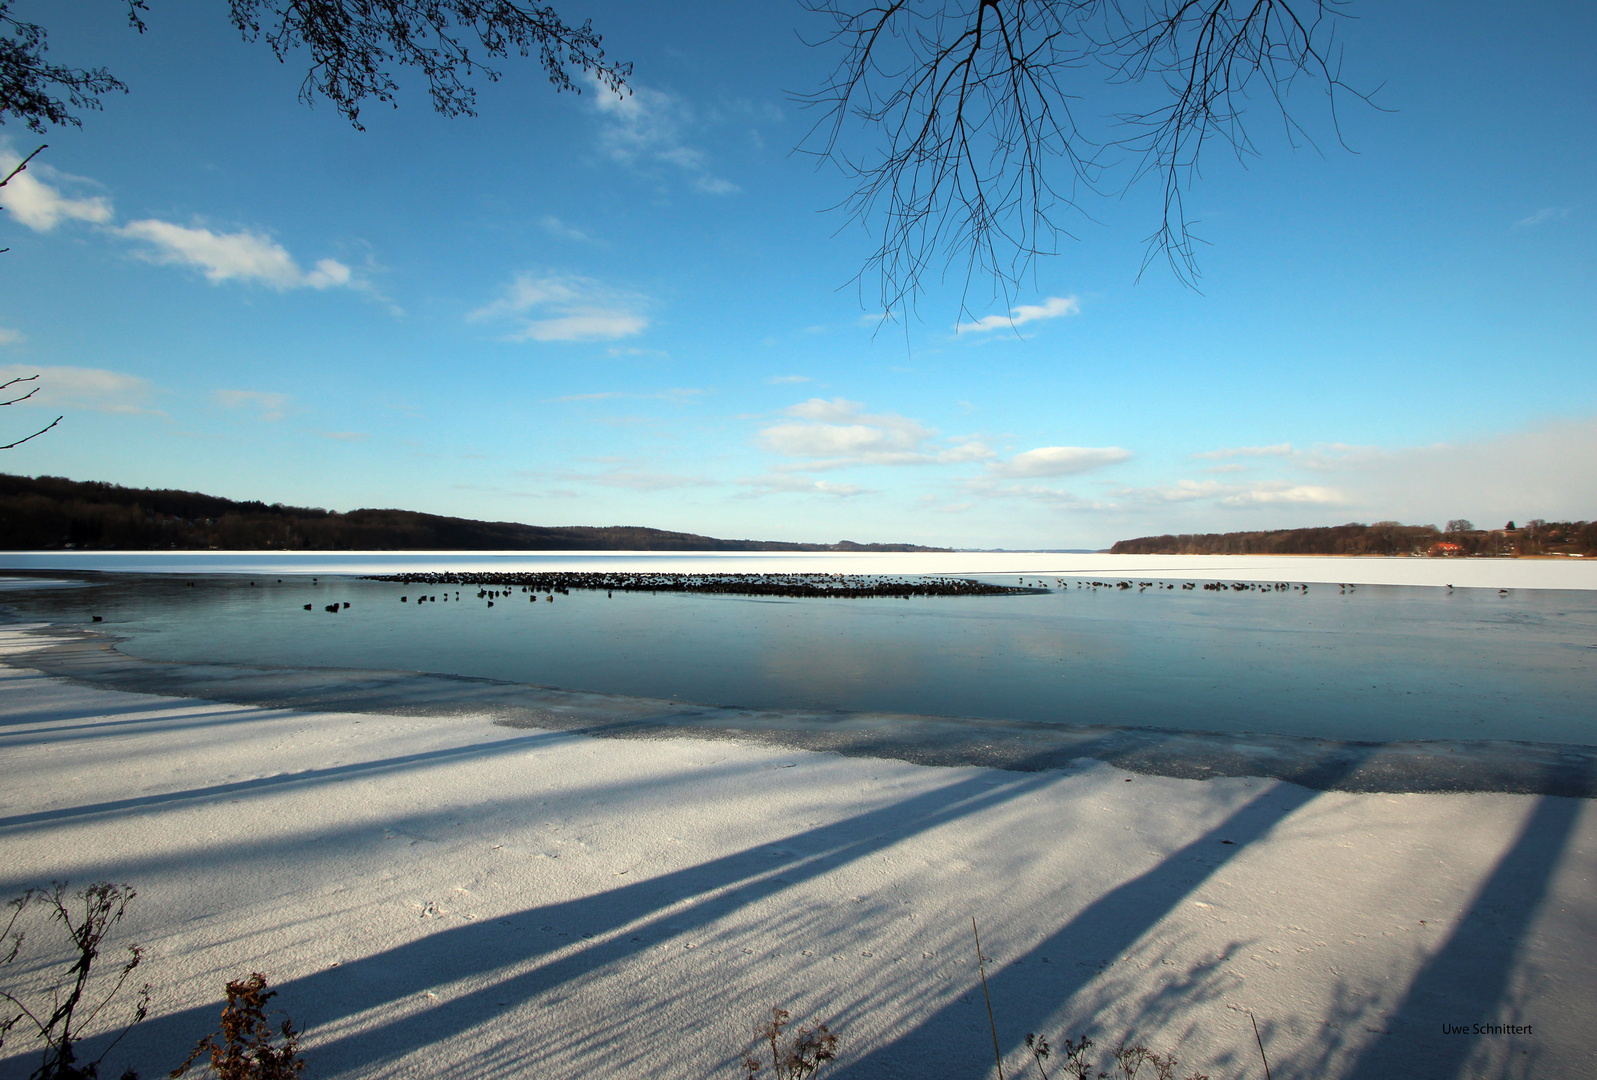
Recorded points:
(1399, 766)
(444, 897)
(1485, 573)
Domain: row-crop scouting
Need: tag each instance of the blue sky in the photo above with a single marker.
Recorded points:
(569, 310)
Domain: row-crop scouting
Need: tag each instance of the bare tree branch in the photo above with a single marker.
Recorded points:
(974, 155)
(23, 164)
(29, 83)
(25, 397)
(354, 45)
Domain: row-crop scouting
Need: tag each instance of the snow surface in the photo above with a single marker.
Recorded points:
(1538, 573)
(444, 897)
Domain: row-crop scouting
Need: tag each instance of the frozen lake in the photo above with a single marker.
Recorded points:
(1375, 663)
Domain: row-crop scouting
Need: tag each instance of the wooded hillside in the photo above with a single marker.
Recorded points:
(1383, 538)
(51, 512)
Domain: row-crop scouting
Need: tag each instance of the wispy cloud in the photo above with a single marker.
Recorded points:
(1543, 216)
(680, 395)
(1053, 308)
(344, 436)
(1059, 461)
(564, 308)
(9, 336)
(269, 406)
(32, 199)
(555, 227)
(1178, 492)
(989, 487)
(85, 388)
(1546, 470)
(245, 256)
(651, 127)
(640, 479)
(839, 433)
(626, 473)
(781, 380)
(1276, 493)
(789, 484)
(1278, 450)
(236, 256)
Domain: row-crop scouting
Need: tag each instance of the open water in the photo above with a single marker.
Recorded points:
(1378, 663)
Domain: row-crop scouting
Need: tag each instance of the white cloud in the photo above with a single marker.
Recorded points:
(966, 450)
(1262, 493)
(629, 473)
(985, 487)
(1278, 493)
(41, 206)
(1054, 307)
(84, 388)
(637, 479)
(788, 484)
(650, 126)
(9, 336)
(271, 406)
(1059, 461)
(564, 308)
(1542, 217)
(1278, 450)
(839, 432)
(344, 436)
(237, 256)
(779, 380)
(1178, 492)
(1548, 470)
(555, 227)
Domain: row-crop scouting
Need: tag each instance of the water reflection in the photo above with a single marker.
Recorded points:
(1380, 664)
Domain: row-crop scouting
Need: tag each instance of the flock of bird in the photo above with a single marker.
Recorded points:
(492, 587)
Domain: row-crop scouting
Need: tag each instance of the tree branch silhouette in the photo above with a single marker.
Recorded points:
(962, 124)
(356, 49)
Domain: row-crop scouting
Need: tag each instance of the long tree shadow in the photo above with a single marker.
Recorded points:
(946, 1042)
(1467, 979)
(169, 720)
(667, 905)
(285, 780)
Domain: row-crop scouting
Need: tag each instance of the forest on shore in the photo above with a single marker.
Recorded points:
(1460, 537)
(49, 512)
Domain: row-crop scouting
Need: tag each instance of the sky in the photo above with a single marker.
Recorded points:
(573, 309)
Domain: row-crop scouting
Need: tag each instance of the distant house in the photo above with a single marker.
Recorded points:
(1446, 547)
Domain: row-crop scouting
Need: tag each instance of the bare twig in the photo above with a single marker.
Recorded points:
(25, 397)
(20, 166)
(56, 1017)
(1260, 1041)
(981, 966)
(355, 46)
(970, 109)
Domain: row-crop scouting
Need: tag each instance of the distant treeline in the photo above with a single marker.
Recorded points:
(1383, 538)
(51, 512)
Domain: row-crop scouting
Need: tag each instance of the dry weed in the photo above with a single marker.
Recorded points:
(794, 1057)
(59, 1011)
(246, 1051)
